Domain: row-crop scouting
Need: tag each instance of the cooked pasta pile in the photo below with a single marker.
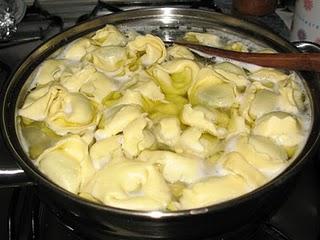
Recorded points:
(124, 121)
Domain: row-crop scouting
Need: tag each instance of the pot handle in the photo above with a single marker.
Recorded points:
(305, 46)
(11, 175)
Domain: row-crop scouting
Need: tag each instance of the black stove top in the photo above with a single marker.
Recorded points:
(24, 217)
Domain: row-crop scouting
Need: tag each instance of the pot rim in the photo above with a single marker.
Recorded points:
(8, 128)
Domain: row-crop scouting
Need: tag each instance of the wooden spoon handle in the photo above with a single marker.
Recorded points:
(292, 61)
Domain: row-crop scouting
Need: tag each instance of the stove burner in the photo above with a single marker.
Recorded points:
(35, 16)
(100, 6)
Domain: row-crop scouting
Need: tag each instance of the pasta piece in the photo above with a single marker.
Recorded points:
(49, 71)
(236, 46)
(114, 120)
(291, 98)
(190, 141)
(175, 167)
(37, 137)
(230, 68)
(260, 152)
(130, 185)
(194, 142)
(105, 151)
(78, 49)
(88, 197)
(145, 85)
(98, 87)
(281, 127)
(62, 111)
(247, 99)
(177, 51)
(171, 106)
(265, 101)
(212, 190)
(208, 39)
(233, 74)
(37, 103)
(67, 163)
(128, 97)
(211, 90)
(111, 60)
(237, 164)
(109, 36)
(150, 48)
(203, 119)
(73, 79)
(72, 113)
(167, 131)
(268, 76)
(176, 76)
(237, 124)
(137, 136)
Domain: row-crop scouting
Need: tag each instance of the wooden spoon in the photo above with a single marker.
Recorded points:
(292, 61)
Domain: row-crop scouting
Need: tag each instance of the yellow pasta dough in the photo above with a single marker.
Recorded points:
(123, 120)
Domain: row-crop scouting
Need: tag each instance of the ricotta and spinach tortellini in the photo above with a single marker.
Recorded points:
(124, 120)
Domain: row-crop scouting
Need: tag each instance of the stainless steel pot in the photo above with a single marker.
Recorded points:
(96, 220)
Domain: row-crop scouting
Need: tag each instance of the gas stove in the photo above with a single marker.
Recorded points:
(24, 217)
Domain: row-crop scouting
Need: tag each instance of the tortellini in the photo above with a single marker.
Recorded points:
(281, 127)
(92, 83)
(177, 51)
(63, 112)
(106, 150)
(194, 142)
(212, 90)
(236, 46)
(259, 100)
(130, 184)
(109, 59)
(109, 36)
(137, 137)
(72, 113)
(176, 76)
(237, 124)
(73, 79)
(264, 101)
(237, 164)
(168, 130)
(114, 120)
(77, 49)
(38, 137)
(232, 73)
(151, 49)
(37, 103)
(144, 84)
(268, 76)
(67, 163)
(175, 167)
(260, 152)
(203, 119)
(204, 39)
(119, 119)
(48, 71)
(213, 190)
